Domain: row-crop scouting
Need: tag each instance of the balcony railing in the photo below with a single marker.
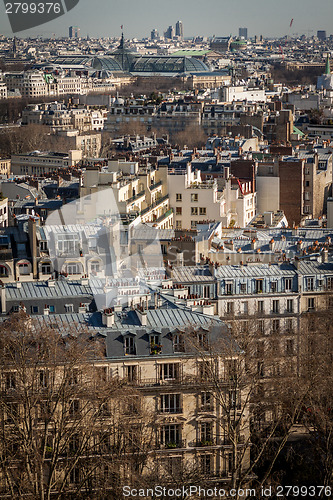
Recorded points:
(165, 215)
(156, 185)
(135, 197)
(206, 442)
(154, 205)
(172, 445)
(169, 411)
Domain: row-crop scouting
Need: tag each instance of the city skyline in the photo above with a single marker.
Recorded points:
(257, 17)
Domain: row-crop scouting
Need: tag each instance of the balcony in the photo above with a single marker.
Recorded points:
(155, 186)
(202, 443)
(135, 197)
(172, 445)
(170, 411)
(164, 216)
(154, 205)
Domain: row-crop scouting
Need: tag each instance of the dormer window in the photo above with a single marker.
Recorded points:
(155, 345)
(178, 342)
(130, 345)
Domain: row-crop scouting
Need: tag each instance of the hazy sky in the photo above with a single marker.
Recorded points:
(200, 17)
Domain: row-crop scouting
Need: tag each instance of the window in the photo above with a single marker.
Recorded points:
(329, 283)
(169, 371)
(43, 246)
(178, 197)
(289, 325)
(311, 304)
(260, 306)
(34, 309)
(10, 380)
(204, 370)
(69, 308)
(273, 286)
(74, 408)
(194, 197)
(306, 209)
(43, 378)
(307, 183)
(51, 309)
(243, 287)
(309, 284)
(67, 243)
(73, 268)
(261, 326)
(193, 224)
(95, 267)
(170, 403)
(170, 435)
(178, 224)
(129, 345)
(132, 373)
(205, 464)
(234, 400)
(194, 210)
(228, 288)
(206, 432)
(178, 343)
(46, 268)
(202, 210)
(290, 347)
(178, 210)
(276, 306)
(244, 308)
(288, 283)
(275, 325)
(230, 308)
(290, 305)
(259, 286)
(24, 268)
(206, 401)
(3, 271)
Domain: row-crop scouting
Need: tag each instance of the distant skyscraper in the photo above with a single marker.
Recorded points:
(179, 29)
(170, 33)
(242, 32)
(154, 35)
(74, 32)
(321, 35)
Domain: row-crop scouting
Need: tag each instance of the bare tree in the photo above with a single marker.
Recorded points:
(63, 416)
(254, 412)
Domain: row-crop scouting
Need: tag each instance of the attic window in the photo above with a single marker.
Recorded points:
(155, 346)
(129, 345)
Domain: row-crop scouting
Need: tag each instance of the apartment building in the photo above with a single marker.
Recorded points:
(31, 84)
(3, 90)
(195, 201)
(3, 211)
(39, 163)
(5, 164)
(139, 193)
(186, 413)
(301, 183)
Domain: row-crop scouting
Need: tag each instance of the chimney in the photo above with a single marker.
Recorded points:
(142, 316)
(46, 310)
(108, 318)
(253, 244)
(299, 245)
(3, 299)
(156, 300)
(271, 244)
(324, 255)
